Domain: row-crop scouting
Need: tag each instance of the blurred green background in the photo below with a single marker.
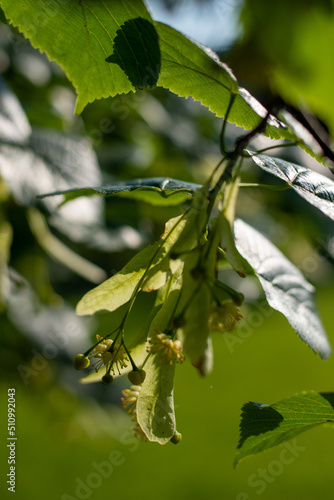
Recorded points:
(66, 430)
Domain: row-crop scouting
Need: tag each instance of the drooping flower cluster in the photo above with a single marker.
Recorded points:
(224, 317)
(170, 349)
(129, 402)
(105, 353)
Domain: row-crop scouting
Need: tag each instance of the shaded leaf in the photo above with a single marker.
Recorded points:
(284, 285)
(154, 190)
(137, 52)
(264, 426)
(80, 36)
(315, 188)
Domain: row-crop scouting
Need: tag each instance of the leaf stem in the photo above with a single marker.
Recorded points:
(272, 187)
(223, 149)
(289, 145)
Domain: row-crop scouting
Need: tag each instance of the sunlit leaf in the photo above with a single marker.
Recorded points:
(285, 287)
(80, 36)
(191, 69)
(265, 426)
(315, 188)
(155, 405)
(118, 289)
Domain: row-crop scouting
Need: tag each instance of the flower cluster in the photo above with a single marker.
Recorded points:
(224, 317)
(170, 349)
(105, 353)
(129, 402)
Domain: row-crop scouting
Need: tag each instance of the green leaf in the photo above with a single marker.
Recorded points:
(191, 69)
(119, 289)
(81, 35)
(160, 274)
(155, 405)
(137, 52)
(284, 285)
(153, 190)
(264, 426)
(315, 188)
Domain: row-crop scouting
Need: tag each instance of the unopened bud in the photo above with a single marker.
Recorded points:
(81, 362)
(107, 378)
(137, 377)
(176, 438)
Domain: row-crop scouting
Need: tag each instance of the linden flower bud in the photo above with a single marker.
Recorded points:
(107, 378)
(224, 317)
(137, 377)
(81, 362)
(176, 438)
(170, 349)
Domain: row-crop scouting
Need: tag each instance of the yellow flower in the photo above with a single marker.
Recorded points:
(105, 352)
(170, 349)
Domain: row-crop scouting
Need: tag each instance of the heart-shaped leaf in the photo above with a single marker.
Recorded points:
(80, 36)
(264, 426)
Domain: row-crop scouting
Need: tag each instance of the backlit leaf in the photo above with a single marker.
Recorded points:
(155, 405)
(118, 289)
(80, 36)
